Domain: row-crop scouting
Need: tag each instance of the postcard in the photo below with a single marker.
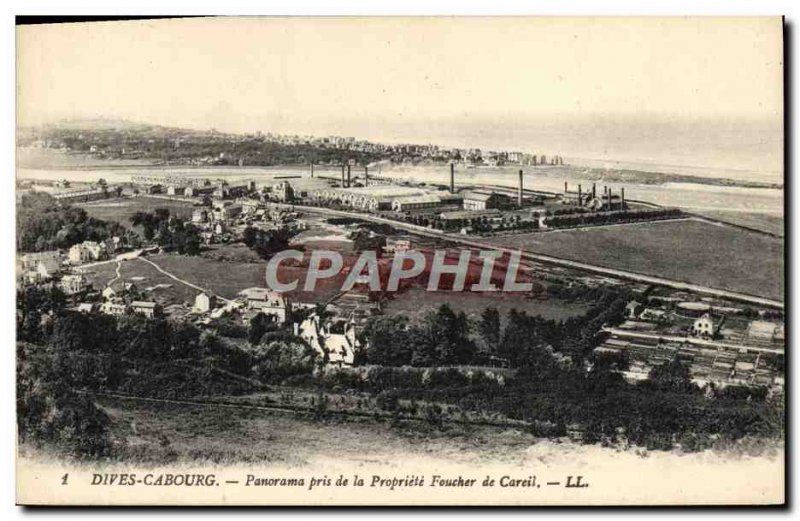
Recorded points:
(401, 261)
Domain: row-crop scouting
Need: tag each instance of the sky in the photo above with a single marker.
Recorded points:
(405, 79)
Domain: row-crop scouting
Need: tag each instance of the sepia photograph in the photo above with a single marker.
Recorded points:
(411, 261)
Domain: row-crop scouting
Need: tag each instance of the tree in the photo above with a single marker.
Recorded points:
(672, 376)
(278, 360)
(249, 236)
(258, 326)
(489, 331)
(443, 338)
(48, 411)
(450, 332)
(388, 340)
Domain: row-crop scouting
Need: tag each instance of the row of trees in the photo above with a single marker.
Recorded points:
(590, 219)
(444, 337)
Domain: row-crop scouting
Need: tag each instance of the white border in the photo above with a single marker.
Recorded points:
(789, 8)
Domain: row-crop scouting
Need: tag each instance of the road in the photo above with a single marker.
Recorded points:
(547, 259)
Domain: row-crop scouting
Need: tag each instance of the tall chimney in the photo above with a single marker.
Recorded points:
(366, 175)
(348, 175)
(312, 169)
(580, 196)
(519, 190)
(622, 198)
(566, 187)
(452, 178)
(342, 175)
(609, 199)
(594, 190)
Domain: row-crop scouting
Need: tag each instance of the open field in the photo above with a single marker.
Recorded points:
(228, 278)
(691, 251)
(120, 210)
(473, 304)
(236, 435)
(167, 433)
(223, 278)
(144, 276)
(765, 222)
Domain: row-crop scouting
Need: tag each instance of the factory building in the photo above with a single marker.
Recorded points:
(420, 202)
(198, 191)
(283, 192)
(478, 200)
(80, 196)
(591, 200)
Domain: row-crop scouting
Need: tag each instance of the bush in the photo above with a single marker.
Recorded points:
(278, 360)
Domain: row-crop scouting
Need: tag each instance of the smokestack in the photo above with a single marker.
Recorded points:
(312, 169)
(609, 199)
(366, 176)
(342, 176)
(580, 196)
(566, 187)
(452, 178)
(622, 198)
(594, 190)
(519, 190)
(348, 175)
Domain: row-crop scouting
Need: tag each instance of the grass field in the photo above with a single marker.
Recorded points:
(179, 433)
(223, 278)
(120, 210)
(144, 276)
(473, 304)
(691, 251)
(759, 221)
(228, 278)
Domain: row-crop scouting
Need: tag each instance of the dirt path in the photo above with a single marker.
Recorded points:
(182, 281)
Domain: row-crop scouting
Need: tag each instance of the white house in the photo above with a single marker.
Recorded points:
(205, 302)
(72, 284)
(707, 326)
(86, 251)
(148, 309)
(336, 338)
(46, 269)
(269, 302)
(30, 261)
(115, 308)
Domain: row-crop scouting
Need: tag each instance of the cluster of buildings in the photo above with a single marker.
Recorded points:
(185, 186)
(387, 198)
(46, 266)
(91, 251)
(718, 344)
(407, 151)
(333, 334)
